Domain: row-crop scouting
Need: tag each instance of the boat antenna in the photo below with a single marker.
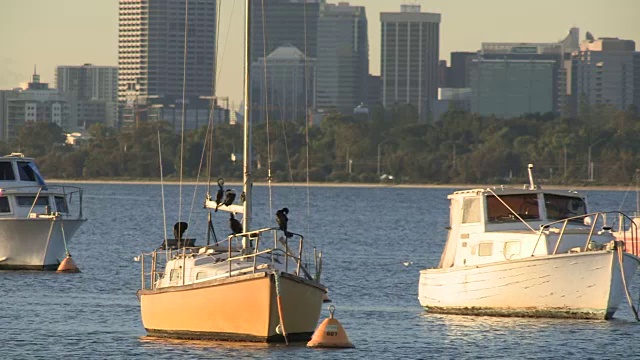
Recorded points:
(532, 186)
(247, 185)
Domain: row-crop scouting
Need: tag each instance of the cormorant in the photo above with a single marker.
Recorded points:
(282, 220)
(236, 226)
(229, 197)
(178, 230)
(219, 194)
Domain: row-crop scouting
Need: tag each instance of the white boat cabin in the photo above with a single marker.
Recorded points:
(23, 192)
(492, 225)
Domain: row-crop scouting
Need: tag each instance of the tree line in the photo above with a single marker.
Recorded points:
(600, 146)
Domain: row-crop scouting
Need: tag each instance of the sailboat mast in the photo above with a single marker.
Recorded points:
(247, 184)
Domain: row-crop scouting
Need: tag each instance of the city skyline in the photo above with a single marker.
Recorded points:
(73, 32)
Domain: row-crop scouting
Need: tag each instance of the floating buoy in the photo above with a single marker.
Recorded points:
(330, 334)
(67, 265)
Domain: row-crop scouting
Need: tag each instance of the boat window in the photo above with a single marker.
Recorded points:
(175, 274)
(201, 275)
(471, 210)
(511, 249)
(6, 171)
(525, 205)
(485, 249)
(28, 200)
(4, 205)
(561, 207)
(61, 204)
(25, 171)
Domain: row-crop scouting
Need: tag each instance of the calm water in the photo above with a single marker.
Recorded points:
(366, 235)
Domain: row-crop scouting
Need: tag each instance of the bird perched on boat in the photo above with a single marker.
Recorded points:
(282, 220)
(243, 197)
(178, 230)
(219, 193)
(229, 197)
(236, 226)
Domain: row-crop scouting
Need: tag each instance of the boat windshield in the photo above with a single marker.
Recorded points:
(561, 207)
(525, 205)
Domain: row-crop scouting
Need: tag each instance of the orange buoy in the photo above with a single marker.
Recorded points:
(330, 334)
(67, 265)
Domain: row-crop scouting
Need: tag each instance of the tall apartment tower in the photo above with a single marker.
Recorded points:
(151, 50)
(409, 58)
(343, 58)
(282, 24)
(90, 87)
(603, 72)
(285, 22)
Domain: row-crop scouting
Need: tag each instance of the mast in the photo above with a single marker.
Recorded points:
(247, 184)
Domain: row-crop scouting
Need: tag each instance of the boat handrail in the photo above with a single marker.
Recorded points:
(232, 255)
(594, 218)
(66, 191)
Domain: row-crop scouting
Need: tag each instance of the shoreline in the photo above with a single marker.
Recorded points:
(349, 185)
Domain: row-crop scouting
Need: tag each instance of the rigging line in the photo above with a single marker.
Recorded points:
(512, 211)
(164, 212)
(306, 121)
(184, 90)
(265, 88)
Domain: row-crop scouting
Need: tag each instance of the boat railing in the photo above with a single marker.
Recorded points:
(592, 220)
(241, 247)
(67, 191)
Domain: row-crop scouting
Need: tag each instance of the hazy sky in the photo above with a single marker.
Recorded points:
(48, 33)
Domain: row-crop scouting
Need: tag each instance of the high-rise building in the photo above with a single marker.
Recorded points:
(460, 69)
(558, 54)
(409, 58)
(36, 103)
(285, 22)
(604, 72)
(92, 92)
(151, 57)
(510, 88)
(342, 62)
(288, 92)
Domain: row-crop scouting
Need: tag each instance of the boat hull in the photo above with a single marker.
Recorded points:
(585, 285)
(34, 244)
(240, 308)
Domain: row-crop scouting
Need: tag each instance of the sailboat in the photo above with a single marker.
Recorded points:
(251, 286)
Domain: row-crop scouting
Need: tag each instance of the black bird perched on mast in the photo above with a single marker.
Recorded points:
(282, 220)
(229, 197)
(236, 226)
(178, 230)
(219, 193)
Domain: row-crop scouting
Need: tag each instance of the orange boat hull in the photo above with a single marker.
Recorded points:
(240, 308)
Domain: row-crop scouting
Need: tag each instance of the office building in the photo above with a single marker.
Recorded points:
(501, 60)
(151, 57)
(510, 88)
(409, 58)
(92, 93)
(285, 22)
(342, 62)
(604, 73)
(36, 103)
(288, 92)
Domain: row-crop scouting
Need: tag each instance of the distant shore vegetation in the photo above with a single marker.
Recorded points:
(600, 146)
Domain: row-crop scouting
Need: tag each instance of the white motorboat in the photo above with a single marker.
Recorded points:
(254, 285)
(528, 252)
(36, 222)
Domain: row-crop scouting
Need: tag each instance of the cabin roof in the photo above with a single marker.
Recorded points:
(512, 191)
